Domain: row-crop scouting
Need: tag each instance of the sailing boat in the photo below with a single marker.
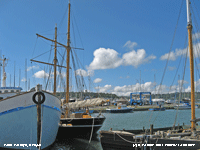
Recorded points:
(79, 124)
(165, 139)
(28, 120)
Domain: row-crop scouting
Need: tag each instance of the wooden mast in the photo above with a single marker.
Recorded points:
(189, 27)
(55, 56)
(68, 59)
(55, 60)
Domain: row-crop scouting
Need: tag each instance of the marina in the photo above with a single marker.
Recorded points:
(160, 138)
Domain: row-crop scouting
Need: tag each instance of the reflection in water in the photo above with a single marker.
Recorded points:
(77, 144)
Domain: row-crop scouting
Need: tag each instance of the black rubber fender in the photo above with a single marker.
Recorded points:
(38, 93)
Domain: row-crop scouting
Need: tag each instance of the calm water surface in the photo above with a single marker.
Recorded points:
(128, 121)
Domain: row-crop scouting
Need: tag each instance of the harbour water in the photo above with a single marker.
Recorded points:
(128, 121)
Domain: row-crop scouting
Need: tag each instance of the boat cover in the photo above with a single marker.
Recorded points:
(86, 103)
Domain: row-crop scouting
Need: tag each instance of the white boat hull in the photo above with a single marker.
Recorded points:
(182, 107)
(18, 121)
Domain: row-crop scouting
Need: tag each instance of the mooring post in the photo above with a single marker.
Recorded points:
(151, 129)
(38, 89)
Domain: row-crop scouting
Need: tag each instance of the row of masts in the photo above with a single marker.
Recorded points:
(68, 48)
(3, 64)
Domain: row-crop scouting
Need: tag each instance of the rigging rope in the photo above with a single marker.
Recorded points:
(34, 46)
(171, 47)
(160, 87)
(125, 139)
(43, 54)
(78, 30)
(181, 88)
(33, 73)
(179, 63)
(60, 24)
(196, 9)
(91, 133)
(48, 77)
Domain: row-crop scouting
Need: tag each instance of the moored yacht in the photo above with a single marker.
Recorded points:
(28, 120)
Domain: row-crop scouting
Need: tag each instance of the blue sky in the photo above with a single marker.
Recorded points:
(121, 40)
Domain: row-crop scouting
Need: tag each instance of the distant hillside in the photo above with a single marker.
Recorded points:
(113, 96)
(87, 95)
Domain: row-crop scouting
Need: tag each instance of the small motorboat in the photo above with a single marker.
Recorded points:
(120, 109)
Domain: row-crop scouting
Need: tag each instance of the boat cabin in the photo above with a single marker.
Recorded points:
(158, 101)
(9, 91)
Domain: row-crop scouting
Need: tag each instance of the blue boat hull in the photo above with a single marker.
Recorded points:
(119, 110)
(156, 109)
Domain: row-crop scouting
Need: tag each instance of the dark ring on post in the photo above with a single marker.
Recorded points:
(38, 93)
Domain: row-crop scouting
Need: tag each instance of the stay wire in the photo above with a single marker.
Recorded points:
(43, 54)
(196, 9)
(181, 88)
(74, 66)
(83, 68)
(171, 47)
(178, 64)
(159, 88)
(60, 69)
(195, 22)
(61, 22)
(81, 75)
(78, 30)
(196, 37)
(48, 78)
(33, 73)
(198, 55)
(35, 46)
(74, 34)
(176, 73)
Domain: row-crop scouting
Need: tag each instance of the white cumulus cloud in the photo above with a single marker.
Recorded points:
(104, 89)
(41, 74)
(109, 58)
(130, 44)
(170, 56)
(152, 87)
(195, 36)
(105, 59)
(180, 82)
(84, 73)
(32, 67)
(179, 52)
(136, 58)
(97, 80)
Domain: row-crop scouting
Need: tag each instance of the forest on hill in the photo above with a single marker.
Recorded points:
(87, 95)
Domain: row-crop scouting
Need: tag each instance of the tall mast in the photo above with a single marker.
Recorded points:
(26, 74)
(55, 56)
(0, 68)
(55, 61)
(68, 57)
(14, 73)
(4, 73)
(19, 76)
(189, 27)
